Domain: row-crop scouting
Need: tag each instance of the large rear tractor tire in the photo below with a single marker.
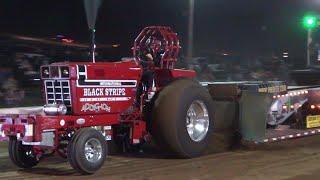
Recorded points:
(182, 118)
(87, 151)
(21, 155)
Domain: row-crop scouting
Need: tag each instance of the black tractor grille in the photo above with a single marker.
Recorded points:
(58, 92)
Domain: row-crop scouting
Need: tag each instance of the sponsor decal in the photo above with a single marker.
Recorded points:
(110, 83)
(92, 92)
(273, 89)
(105, 83)
(96, 107)
(313, 121)
(105, 99)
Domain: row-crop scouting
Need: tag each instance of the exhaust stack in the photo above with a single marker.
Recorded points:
(92, 8)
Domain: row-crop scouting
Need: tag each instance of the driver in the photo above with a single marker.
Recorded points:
(147, 61)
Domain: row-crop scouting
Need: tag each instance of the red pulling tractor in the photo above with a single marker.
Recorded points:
(91, 107)
(88, 104)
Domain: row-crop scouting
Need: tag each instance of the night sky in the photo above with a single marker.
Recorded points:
(250, 27)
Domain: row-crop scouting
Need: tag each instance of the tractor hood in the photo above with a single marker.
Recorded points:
(92, 88)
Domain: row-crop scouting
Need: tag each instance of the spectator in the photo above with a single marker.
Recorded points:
(11, 92)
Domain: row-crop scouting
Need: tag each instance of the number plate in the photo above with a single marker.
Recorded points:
(313, 121)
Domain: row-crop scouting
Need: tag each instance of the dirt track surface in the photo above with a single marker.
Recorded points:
(296, 159)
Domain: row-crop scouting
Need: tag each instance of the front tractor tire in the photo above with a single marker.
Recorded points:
(21, 155)
(87, 151)
(182, 118)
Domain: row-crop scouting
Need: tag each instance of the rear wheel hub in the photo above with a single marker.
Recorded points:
(197, 121)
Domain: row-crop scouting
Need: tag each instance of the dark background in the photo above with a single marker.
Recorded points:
(251, 27)
(234, 40)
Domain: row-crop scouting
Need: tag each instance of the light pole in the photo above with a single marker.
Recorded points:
(190, 30)
(309, 22)
(309, 41)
